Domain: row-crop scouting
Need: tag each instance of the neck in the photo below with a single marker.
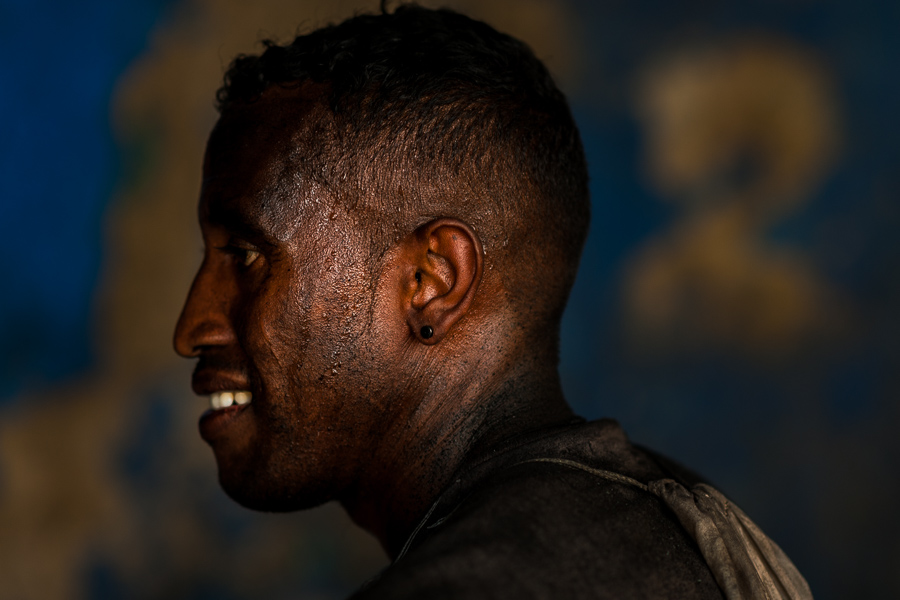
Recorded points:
(442, 436)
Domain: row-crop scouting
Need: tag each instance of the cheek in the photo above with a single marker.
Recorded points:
(276, 330)
(338, 320)
(310, 324)
(302, 325)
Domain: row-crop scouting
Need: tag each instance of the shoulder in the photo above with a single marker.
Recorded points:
(547, 530)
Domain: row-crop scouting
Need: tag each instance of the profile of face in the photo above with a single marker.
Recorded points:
(287, 312)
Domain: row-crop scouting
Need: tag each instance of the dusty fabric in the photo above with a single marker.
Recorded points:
(744, 561)
(518, 523)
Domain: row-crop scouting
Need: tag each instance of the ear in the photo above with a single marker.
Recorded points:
(443, 262)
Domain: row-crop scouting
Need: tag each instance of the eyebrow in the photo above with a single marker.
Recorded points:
(230, 216)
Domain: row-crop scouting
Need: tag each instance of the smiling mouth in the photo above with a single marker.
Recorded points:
(220, 400)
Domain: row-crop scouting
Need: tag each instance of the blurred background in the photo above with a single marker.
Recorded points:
(738, 306)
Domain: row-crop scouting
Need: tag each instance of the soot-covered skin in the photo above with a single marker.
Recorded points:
(296, 304)
(276, 309)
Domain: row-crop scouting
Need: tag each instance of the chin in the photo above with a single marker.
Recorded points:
(260, 490)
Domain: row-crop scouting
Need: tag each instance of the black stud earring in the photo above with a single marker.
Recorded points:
(426, 332)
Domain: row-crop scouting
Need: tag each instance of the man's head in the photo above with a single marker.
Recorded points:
(393, 210)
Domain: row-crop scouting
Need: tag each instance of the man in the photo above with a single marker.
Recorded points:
(393, 210)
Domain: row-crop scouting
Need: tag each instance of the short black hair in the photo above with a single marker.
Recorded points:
(473, 114)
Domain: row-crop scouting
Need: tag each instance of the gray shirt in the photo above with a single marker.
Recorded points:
(513, 525)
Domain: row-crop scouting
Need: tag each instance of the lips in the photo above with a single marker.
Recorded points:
(215, 423)
(207, 381)
(229, 396)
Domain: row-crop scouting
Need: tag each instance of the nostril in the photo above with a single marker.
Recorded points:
(204, 321)
(183, 342)
(196, 332)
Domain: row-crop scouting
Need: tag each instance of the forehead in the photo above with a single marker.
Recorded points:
(262, 161)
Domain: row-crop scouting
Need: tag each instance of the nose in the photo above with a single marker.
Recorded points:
(205, 322)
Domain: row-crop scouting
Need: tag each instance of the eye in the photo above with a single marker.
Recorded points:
(248, 257)
(243, 253)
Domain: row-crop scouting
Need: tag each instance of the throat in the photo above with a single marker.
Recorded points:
(399, 486)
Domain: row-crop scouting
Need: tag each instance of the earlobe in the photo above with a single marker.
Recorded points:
(445, 264)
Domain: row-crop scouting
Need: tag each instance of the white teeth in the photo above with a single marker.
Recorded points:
(219, 400)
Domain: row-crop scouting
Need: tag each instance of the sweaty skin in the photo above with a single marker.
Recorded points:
(293, 304)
